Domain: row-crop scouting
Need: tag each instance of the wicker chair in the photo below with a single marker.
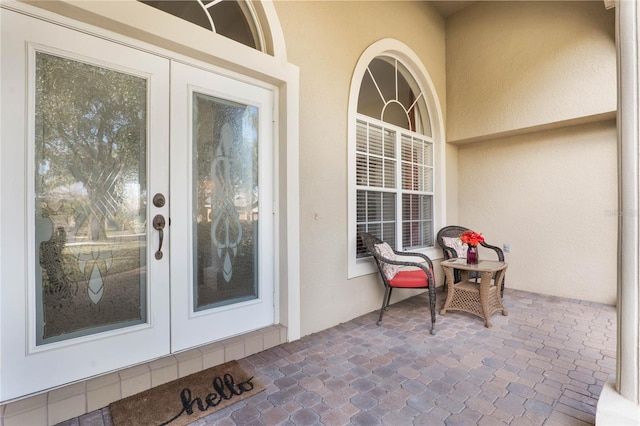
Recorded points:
(450, 253)
(386, 259)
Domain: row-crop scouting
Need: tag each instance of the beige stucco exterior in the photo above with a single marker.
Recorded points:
(326, 41)
(531, 100)
(512, 66)
(509, 69)
(552, 196)
(528, 94)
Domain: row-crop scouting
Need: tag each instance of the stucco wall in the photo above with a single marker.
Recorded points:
(553, 196)
(513, 65)
(544, 74)
(325, 39)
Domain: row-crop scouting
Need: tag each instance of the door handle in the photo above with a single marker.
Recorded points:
(158, 224)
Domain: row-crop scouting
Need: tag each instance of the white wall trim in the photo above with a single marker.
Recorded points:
(614, 409)
(627, 16)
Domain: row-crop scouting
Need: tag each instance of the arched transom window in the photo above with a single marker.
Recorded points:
(234, 19)
(394, 158)
(389, 93)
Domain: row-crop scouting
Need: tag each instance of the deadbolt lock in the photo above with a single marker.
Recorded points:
(159, 200)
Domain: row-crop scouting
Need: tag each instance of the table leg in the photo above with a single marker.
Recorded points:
(498, 283)
(448, 273)
(485, 287)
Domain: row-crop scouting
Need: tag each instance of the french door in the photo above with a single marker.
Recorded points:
(221, 208)
(136, 206)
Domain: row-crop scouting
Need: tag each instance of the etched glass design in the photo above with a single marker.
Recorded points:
(225, 197)
(90, 199)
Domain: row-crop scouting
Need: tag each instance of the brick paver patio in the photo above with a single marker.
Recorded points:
(544, 364)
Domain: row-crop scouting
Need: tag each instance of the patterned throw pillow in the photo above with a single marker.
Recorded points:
(457, 245)
(385, 250)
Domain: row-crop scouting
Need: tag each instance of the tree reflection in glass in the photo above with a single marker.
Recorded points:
(90, 198)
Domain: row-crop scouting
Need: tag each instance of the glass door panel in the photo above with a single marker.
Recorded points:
(226, 162)
(90, 188)
(226, 202)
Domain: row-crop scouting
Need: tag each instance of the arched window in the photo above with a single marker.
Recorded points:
(395, 189)
(389, 93)
(234, 19)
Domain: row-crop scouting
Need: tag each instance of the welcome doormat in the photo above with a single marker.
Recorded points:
(187, 399)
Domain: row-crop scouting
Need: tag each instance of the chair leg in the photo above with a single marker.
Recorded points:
(502, 289)
(385, 304)
(386, 308)
(432, 307)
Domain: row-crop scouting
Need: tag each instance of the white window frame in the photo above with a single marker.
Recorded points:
(393, 183)
(395, 49)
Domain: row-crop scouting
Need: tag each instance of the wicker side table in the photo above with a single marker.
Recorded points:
(481, 299)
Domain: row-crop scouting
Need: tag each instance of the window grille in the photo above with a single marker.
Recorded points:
(389, 93)
(393, 165)
(234, 19)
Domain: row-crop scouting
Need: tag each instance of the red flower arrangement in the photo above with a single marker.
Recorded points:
(471, 238)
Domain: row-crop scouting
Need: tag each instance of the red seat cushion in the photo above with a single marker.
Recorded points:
(410, 279)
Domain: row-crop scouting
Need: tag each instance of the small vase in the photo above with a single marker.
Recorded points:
(472, 255)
